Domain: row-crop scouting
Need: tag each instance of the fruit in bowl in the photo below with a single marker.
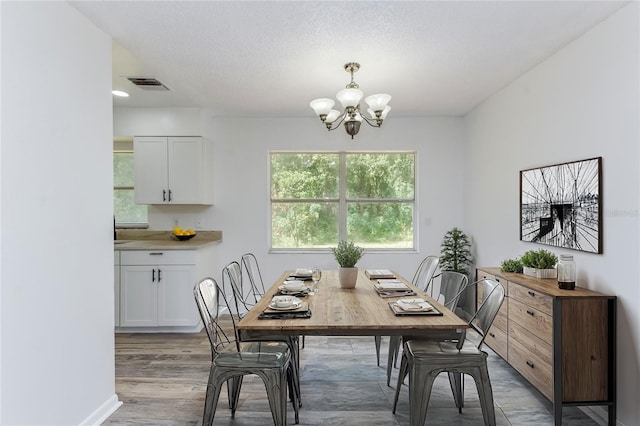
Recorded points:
(183, 234)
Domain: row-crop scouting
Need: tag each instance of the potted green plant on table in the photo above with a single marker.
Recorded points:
(347, 255)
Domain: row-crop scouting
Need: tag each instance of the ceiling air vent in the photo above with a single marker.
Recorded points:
(148, 83)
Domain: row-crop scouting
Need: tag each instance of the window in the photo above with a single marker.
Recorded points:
(318, 199)
(124, 209)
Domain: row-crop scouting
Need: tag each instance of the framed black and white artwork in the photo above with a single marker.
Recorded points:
(561, 205)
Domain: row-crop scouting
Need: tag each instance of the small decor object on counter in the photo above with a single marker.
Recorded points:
(183, 234)
(347, 255)
(566, 272)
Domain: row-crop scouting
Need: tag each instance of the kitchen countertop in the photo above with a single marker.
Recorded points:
(162, 240)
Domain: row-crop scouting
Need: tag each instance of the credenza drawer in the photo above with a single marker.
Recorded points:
(531, 343)
(535, 299)
(496, 339)
(536, 322)
(532, 367)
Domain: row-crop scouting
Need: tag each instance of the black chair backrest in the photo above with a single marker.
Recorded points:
(424, 273)
(493, 297)
(250, 265)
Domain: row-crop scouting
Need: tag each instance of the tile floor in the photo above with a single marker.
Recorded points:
(341, 385)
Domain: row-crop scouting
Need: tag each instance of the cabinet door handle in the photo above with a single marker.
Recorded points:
(169, 195)
(531, 293)
(159, 274)
(156, 253)
(530, 313)
(164, 195)
(492, 335)
(153, 275)
(530, 364)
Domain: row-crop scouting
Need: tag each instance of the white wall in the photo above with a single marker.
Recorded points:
(56, 282)
(241, 211)
(578, 104)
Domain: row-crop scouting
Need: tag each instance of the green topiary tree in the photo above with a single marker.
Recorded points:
(455, 253)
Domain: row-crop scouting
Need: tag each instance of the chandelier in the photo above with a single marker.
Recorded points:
(350, 99)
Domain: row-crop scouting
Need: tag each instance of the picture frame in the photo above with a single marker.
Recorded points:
(561, 205)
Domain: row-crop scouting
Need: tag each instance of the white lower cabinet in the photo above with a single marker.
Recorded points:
(156, 287)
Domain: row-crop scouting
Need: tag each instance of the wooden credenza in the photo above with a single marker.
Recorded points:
(562, 341)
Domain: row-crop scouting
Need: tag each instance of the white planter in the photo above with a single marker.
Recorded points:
(529, 271)
(546, 273)
(348, 277)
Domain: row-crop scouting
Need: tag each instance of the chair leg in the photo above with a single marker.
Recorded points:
(234, 385)
(485, 393)
(392, 357)
(293, 393)
(294, 348)
(456, 380)
(211, 398)
(275, 383)
(378, 342)
(421, 380)
(402, 373)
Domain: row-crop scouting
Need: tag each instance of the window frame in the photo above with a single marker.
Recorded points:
(342, 201)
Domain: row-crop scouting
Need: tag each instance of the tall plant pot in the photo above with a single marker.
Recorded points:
(348, 277)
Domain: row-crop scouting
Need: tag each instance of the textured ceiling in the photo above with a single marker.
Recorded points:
(271, 58)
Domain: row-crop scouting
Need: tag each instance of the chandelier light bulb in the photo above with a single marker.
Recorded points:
(378, 102)
(349, 97)
(322, 106)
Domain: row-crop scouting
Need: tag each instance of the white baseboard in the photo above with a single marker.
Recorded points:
(103, 412)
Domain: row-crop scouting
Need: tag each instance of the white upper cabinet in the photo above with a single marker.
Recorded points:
(172, 170)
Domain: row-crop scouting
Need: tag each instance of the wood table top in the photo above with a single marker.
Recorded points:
(349, 312)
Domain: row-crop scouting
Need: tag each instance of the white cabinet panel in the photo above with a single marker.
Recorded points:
(138, 296)
(176, 305)
(172, 170)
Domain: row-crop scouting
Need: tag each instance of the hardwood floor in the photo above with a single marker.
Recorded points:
(161, 380)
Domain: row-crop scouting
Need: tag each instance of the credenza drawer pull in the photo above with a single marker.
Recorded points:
(530, 364)
(531, 293)
(530, 313)
(492, 335)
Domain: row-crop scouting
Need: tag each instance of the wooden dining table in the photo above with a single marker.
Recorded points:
(360, 311)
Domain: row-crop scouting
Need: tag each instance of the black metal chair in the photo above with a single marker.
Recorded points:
(421, 279)
(424, 359)
(231, 359)
(452, 285)
(244, 300)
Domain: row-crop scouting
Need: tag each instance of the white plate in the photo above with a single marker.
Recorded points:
(302, 272)
(285, 290)
(293, 285)
(287, 308)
